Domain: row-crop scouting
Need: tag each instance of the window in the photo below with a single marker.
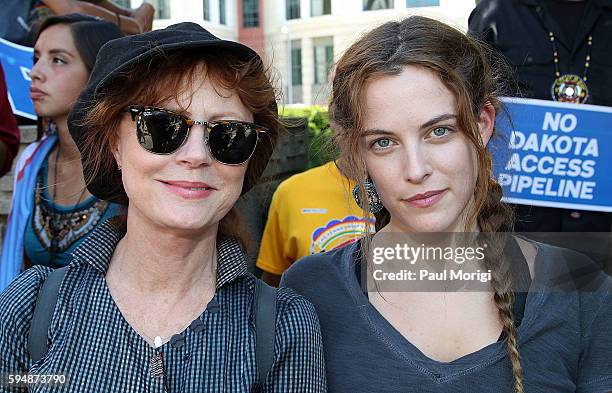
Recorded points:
(206, 9)
(422, 3)
(162, 8)
(250, 13)
(371, 5)
(320, 7)
(296, 63)
(292, 9)
(323, 58)
(222, 12)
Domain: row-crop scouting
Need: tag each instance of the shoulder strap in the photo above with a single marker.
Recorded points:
(43, 312)
(265, 328)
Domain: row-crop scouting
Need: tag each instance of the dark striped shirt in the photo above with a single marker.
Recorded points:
(94, 346)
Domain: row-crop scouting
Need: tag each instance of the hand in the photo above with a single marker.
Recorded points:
(144, 15)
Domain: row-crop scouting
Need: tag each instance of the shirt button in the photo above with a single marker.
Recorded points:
(197, 325)
(177, 341)
(529, 59)
(575, 215)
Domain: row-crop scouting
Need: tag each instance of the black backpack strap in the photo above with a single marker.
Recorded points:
(265, 328)
(43, 312)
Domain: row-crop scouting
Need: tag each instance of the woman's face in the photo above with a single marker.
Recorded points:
(423, 166)
(59, 74)
(188, 189)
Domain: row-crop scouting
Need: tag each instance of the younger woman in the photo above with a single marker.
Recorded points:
(413, 107)
(52, 211)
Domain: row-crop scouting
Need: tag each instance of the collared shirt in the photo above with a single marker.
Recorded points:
(98, 351)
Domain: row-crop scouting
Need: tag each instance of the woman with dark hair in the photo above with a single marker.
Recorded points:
(51, 209)
(174, 125)
(413, 109)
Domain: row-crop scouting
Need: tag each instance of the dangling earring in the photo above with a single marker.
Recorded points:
(374, 202)
(119, 167)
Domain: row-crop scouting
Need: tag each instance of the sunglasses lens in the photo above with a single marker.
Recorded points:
(160, 132)
(232, 143)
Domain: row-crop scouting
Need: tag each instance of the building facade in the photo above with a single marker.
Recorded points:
(302, 39)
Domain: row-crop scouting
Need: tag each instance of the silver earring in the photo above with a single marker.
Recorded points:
(119, 167)
(374, 202)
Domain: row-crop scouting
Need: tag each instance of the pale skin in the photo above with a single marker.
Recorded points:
(413, 149)
(163, 272)
(59, 74)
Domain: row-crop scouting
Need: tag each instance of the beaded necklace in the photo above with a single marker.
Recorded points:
(570, 87)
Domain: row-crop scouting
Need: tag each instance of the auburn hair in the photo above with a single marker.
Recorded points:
(162, 79)
(476, 77)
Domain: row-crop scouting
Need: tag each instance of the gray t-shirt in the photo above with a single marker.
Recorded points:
(565, 338)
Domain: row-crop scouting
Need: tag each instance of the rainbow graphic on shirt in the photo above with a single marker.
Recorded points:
(337, 233)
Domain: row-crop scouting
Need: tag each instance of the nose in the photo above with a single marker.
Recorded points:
(194, 153)
(37, 73)
(416, 164)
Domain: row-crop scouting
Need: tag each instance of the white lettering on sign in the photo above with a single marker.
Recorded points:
(566, 122)
(25, 73)
(554, 144)
(567, 159)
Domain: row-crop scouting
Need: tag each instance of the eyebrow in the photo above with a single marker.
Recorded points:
(438, 119)
(427, 124)
(229, 115)
(55, 52)
(188, 114)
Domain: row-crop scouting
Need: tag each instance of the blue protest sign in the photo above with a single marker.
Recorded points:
(554, 154)
(17, 63)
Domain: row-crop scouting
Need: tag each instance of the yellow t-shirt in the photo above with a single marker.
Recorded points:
(311, 212)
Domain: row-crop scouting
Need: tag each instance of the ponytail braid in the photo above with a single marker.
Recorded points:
(496, 216)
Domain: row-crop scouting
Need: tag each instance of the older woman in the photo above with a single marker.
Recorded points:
(175, 124)
(413, 107)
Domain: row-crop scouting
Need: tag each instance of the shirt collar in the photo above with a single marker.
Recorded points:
(98, 248)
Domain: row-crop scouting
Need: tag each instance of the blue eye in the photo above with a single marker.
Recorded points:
(381, 143)
(440, 132)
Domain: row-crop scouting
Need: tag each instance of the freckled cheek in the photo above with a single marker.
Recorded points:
(230, 178)
(385, 172)
(139, 167)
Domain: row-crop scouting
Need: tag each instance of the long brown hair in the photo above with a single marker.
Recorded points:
(476, 78)
(163, 79)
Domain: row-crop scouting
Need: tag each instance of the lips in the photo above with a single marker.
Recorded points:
(189, 190)
(426, 199)
(36, 93)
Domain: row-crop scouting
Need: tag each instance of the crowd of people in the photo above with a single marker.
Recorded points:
(123, 267)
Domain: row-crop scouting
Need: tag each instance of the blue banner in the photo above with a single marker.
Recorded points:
(554, 154)
(17, 63)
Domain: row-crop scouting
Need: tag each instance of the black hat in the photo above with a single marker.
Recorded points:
(120, 55)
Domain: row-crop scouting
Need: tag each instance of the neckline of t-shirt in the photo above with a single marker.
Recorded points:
(396, 342)
(82, 205)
